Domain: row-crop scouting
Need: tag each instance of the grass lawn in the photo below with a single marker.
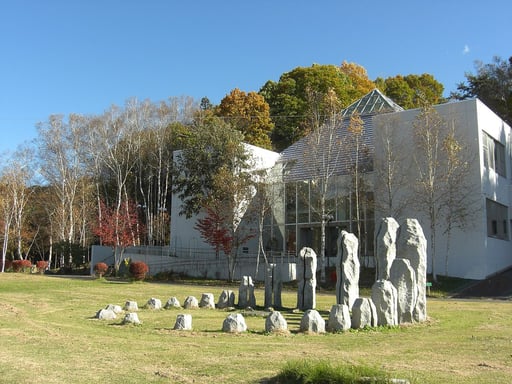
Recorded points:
(48, 334)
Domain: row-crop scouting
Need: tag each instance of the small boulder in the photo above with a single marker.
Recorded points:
(234, 323)
(312, 322)
(191, 303)
(131, 306)
(275, 322)
(172, 302)
(154, 303)
(116, 308)
(364, 313)
(131, 318)
(106, 314)
(183, 322)
(339, 318)
(207, 301)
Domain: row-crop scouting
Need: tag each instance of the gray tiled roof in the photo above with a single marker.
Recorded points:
(300, 164)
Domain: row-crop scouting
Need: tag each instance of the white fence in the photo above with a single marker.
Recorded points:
(194, 262)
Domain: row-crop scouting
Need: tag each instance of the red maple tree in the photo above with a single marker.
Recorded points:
(119, 227)
(213, 230)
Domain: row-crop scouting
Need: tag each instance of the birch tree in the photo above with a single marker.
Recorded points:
(323, 150)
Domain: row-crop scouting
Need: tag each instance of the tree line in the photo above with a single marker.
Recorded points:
(108, 178)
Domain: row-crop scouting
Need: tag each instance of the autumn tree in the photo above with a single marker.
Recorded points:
(288, 98)
(119, 228)
(249, 113)
(492, 84)
(412, 91)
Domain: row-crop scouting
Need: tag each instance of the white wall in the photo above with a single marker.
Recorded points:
(472, 254)
(184, 237)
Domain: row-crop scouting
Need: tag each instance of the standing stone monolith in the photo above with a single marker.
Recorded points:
(226, 299)
(384, 297)
(364, 313)
(183, 322)
(403, 277)
(347, 269)
(207, 301)
(412, 245)
(312, 322)
(339, 318)
(385, 243)
(246, 296)
(273, 286)
(275, 322)
(306, 276)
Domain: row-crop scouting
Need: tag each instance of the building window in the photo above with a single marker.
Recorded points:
(497, 220)
(494, 155)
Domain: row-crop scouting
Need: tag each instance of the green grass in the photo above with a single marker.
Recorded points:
(323, 372)
(48, 334)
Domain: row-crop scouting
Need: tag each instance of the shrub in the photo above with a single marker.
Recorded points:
(21, 265)
(100, 269)
(138, 270)
(42, 265)
(8, 264)
(325, 373)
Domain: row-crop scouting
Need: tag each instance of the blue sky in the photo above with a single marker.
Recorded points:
(64, 56)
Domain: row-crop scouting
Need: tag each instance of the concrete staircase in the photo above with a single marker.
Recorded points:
(498, 285)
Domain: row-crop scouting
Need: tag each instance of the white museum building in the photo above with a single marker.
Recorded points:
(472, 210)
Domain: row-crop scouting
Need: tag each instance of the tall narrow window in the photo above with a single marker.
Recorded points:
(494, 155)
(497, 219)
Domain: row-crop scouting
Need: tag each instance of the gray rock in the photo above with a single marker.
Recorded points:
(131, 318)
(312, 322)
(385, 243)
(347, 269)
(207, 301)
(191, 303)
(234, 323)
(183, 322)
(116, 308)
(412, 245)
(172, 302)
(273, 286)
(226, 299)
(106, 314)
(364, 314)
(306, 276)
(246, 296)
(131, 306)
(403, 277)
(384, 296)
(339, 318)
(275, 322)
(154, 303)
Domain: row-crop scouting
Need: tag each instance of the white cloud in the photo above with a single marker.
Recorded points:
(465, 51)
